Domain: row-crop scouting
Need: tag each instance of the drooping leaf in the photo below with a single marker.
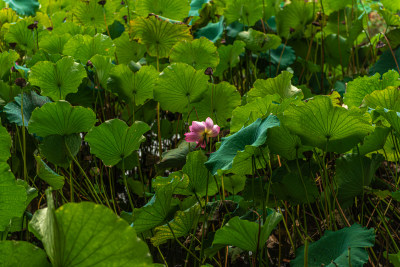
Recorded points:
(176, 157)
(334, 247)
(331, 128)
(59, 79)
(84, 234)
(362, 86)
(200, 53)
(60, 118)
(257, 41)
(198, 175)
(133, 87)
(30, 101)
(172, 9)
(253, 135)
(178, 86)
(218, 103)
(374, 141)
(21, 253)
(229, 56)
(12, 197)
(353, 172)
(114, 141)
(84, 47)
(295, 187)
(181, 225)
(158, 35)
(245, 12)
(245, 234)
(55, 180)
(128, 50)
(280, 85)
(158, 210)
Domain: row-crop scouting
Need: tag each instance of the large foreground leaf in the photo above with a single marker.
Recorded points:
(252, 136)
(318, 123)
(334, 247)
(86, 234)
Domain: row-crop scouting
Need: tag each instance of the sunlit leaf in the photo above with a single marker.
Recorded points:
(229, 56)
(245, 12)
(127, 50)
(172, 9)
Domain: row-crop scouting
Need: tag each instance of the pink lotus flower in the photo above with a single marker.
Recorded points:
(200, 132)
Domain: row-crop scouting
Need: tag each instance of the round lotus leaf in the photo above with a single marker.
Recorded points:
(159, 35)
(57, 80)
(180, 85)
(171, 9)
(200, 53)
(21, 253)
(60, 118)
(113, 141)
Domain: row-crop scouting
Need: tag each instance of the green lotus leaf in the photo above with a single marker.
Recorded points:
(296, 15)
(218, 103)
(281, 142)
(5, 144)
(200, 53)
(176, 157)
(245, 12)
(257, 41)
(196, 6)
(114, 141)
(7, 92)
(337, 52)
(91, 13)
(24, 7)
(84, 47)
(234, 183)
(85, 234)
(12, 197)
(391, 5)
(334, 247)
(158, 210)
(362, 86)
(54, 44)
(31, 101)
(386, 62)
(353, 172)
(245, 234)
(179, 86)
(392, 117)
(181, 225)
(332, 6)
(280, 85)
(229, 56)
(390, 18)
(44, 172)
(318, 123)
(374, 141)
(59, 79)
(60, 118)
(172, 9)
(133, 87)
(7, 15)
(198, 175)
(388, 98)
(158, 35)
(20, 34)
(284, 56)
(243, 163)
(7, 60)
(390, 149)
(128, 50)
(394, 258)
(247, 114)
(58, 149)
(289, 185)
(253, 135)
(21, 253)
(179, 178)
(102, 66)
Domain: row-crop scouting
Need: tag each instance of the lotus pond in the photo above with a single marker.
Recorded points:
(199, 133)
